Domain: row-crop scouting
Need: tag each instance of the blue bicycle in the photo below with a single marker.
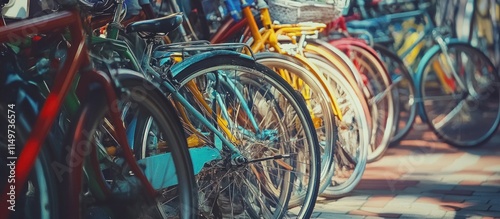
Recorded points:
(457, 91)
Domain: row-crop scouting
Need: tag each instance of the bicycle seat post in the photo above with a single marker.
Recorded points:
(301, 44)
(149, 51)
(115, 25)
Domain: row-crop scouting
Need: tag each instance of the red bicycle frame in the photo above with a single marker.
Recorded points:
(77, 60)
(344, 44)
(228, 29)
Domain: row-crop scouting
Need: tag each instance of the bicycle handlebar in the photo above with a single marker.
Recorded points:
(405, 15)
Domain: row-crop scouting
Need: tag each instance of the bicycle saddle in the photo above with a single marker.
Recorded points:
(162, 25)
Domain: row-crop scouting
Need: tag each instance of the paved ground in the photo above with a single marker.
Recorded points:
(424, 178)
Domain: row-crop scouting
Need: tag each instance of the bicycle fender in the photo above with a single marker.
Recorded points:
(124, 74)
(360, 43)
(203, 56)
(356, 42)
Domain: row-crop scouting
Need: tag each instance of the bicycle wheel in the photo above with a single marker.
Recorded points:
(271, 128)
(20, 103)
(403, 93)
(318, 103)
(339, 59)
(382, 106)
(354, 132)
(114, 190)
(462, 116)
(39, 196)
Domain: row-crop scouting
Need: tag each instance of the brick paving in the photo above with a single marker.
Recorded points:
(424, 178)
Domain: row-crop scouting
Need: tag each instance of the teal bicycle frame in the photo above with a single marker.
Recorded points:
(199, 155)
(430, 30)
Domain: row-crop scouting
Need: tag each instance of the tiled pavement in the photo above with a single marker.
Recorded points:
(424, 178)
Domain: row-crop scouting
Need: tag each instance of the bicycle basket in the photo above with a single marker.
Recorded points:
(291, 12)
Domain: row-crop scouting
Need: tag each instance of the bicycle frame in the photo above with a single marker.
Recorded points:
(179, 100)
(77, 59)
(231, 27)
(429, 30)
(269, 36)
(174, 91)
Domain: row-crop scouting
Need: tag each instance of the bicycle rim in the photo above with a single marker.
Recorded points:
(319, 107)
(381, 102)
(257, 188)
(403, 93)
(461, 117)
(354, 133)
(39, 197)
(167, 167)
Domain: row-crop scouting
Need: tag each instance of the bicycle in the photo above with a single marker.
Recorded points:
(314, 48)
(365, 21)
(295, 70)
(463, 82)
(377, 81)
(78, 145)
(473, 21)
(213, 126)
(402, 87)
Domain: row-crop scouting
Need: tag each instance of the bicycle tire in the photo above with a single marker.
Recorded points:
(258, 75)
(406, 109)
(39, 197)
(146, 98)
(345, 66)
(470, 128)
(327, 133)
(354, 132)
(379, 81)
